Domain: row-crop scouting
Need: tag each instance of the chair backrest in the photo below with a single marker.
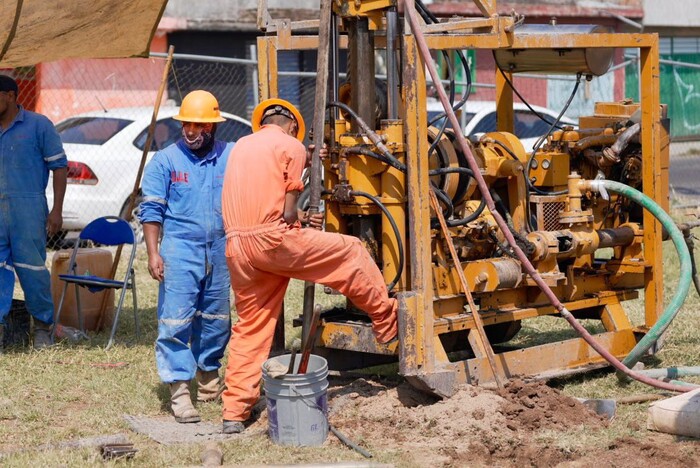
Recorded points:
(108, 230)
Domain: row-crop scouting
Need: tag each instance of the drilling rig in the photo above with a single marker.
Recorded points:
(464, 291)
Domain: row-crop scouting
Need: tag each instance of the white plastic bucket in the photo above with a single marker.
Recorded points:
(297, 404)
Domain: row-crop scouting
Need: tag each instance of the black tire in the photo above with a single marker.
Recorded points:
(134, 219)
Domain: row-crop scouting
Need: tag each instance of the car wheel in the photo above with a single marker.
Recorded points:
(134, 218)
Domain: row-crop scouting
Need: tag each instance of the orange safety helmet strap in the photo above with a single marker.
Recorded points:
(278, 106)
(200, 107)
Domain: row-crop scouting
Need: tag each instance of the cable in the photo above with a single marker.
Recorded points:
(429, 18)
(543, 138)
(462, 58)
(385, 158)
(397, 233)
(469, 218)
(445, 199)
(528, 221)
(527, 104)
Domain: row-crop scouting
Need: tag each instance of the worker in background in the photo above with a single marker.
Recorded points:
(182, 198)
(29, 148)
(266, 247)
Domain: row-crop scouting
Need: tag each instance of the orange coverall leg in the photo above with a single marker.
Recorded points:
(261, 263)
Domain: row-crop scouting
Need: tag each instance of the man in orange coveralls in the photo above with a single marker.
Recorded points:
(266, 247)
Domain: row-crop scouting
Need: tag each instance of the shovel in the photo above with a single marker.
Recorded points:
(602, 406)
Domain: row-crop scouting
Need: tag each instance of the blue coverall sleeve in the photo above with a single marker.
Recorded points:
(51, 145)
(155, 187)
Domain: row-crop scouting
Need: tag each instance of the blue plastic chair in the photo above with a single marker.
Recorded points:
(108, 230)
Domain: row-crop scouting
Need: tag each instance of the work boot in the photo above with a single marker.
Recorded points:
(42, 334)
(181, 403)
(208, 385)
(233, 427)
(2, 337)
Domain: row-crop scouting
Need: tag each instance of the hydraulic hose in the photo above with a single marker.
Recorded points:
(396, 164)
(424, 51)
(385, 158)
(676, 236)
(397, 233)
(671, 372)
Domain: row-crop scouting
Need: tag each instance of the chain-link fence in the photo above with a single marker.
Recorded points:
(103, 108)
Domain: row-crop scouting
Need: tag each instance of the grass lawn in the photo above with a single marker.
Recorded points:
(66, 392)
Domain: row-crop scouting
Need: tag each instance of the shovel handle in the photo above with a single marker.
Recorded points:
(292, 358)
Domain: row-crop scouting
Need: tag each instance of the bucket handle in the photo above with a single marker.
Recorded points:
(310, 404)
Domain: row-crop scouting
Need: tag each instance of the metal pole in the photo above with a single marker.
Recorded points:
(391, 71)
(324, 29)
(137, 182)
(254, 55)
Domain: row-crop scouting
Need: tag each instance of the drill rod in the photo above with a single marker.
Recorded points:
(324, 32)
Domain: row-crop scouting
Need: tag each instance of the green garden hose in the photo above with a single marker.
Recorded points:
(684, 255)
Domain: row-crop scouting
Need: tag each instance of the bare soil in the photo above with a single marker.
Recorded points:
(482, 427)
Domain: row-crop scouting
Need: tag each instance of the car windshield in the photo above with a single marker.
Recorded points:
(90, 130)
(527, 124)
(467, 117)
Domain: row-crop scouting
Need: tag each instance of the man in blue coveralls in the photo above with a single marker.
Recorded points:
(29, 148)
(182, 196)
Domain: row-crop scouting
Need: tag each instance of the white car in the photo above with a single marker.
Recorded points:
(104, 150)
(480, 117)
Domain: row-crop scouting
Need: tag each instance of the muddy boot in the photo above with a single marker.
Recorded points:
(2, 337)
(208, 385)
(42, 335)
(181, 403)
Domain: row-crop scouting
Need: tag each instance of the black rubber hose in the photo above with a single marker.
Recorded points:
(395, 163)
(429, 17)
(505, 148)
(543, 138)
(425, 14)
(527, 104)
(385, 158)
(451, 170)
(445, 199)
(397, 233)
(470, 218)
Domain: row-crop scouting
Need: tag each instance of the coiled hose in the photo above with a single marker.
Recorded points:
(397, 233)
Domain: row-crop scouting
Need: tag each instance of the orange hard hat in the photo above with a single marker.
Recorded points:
(278, 106)
(201, 107)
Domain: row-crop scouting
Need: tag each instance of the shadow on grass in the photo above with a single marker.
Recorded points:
(162, 392)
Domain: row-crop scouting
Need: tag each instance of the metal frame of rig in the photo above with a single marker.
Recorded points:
(594, 253)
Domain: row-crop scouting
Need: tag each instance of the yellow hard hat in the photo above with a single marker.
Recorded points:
(201, 107)
(278, 106)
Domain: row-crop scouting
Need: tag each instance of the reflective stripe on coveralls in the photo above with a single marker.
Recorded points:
(263, 252)
(29, 148)
(183, 193)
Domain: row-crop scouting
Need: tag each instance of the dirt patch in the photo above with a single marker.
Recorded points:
(479, 427)
(474, 427)
(659, 449)
(531, 406)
